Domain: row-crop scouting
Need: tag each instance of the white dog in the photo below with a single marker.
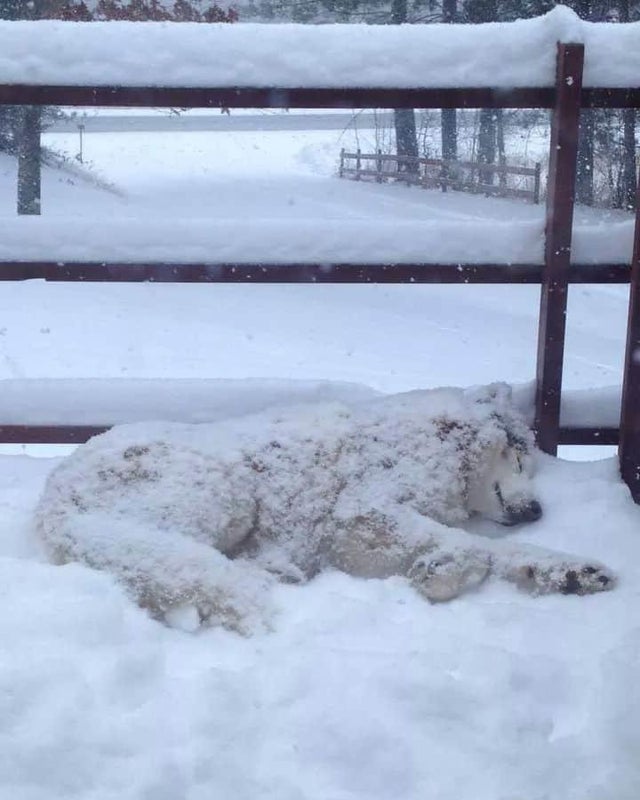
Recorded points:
(203, 516)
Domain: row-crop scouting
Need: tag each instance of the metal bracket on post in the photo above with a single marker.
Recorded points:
(563, 156)
(629, 450)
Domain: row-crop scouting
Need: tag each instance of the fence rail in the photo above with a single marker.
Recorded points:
(313, 97)
(77, 434)
(88, 271)
(565, 100)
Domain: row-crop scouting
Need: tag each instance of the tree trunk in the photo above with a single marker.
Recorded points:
(406, 139)
(487, 143)
(404, 118)
(29, 162)
(502, 154)
(449, 121)
(449, 117)
(584, 175)
(629, 174)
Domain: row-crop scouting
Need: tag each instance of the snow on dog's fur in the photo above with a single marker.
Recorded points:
(205, 516)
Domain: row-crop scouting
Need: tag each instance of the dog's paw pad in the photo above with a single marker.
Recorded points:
(578, 579)
(587, 580)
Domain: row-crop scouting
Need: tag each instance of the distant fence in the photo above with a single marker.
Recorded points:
(565, 100)
(434, 173)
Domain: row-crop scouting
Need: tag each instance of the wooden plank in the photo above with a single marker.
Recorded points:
(436, 181)
(272, 97)
(588, 436)
(77, 434)
(313, 97)
(49, 434)
(610, 98)
(629, 453)
(503, 169)
(559, 216)
(303, 273)
(273, 273)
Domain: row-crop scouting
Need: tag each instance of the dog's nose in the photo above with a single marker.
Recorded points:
(526, 513)
(532, 511)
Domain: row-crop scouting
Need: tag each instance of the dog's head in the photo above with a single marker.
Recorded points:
(501, 487)
(499, 483)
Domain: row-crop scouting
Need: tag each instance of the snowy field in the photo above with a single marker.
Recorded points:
(362, 691)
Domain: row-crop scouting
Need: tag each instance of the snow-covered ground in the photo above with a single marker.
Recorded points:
(362, 691)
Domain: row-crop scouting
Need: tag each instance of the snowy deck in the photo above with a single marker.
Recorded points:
(361, 692)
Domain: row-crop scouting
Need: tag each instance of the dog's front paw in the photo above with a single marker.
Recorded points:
(441, 576)
(564, 578)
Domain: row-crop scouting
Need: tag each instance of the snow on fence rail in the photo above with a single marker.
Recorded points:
(432, 173)
(136, 54)
(74, 404)
(493, 66)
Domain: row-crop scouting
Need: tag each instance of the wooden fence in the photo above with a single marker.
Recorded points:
(434, 173)
(565, 101)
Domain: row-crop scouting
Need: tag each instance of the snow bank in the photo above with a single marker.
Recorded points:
(513, 54)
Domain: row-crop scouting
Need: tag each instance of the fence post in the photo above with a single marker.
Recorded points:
(557, 256)
(379, 166)
(358, 164)
(341, 169)
(536, 185)
(629, 450)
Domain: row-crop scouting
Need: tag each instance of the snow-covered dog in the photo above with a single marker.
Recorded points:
(204, 516)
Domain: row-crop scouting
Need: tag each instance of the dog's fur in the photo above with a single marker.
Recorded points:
(202, 516)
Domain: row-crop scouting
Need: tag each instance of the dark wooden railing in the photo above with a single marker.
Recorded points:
(433, 173)
(565, 101)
